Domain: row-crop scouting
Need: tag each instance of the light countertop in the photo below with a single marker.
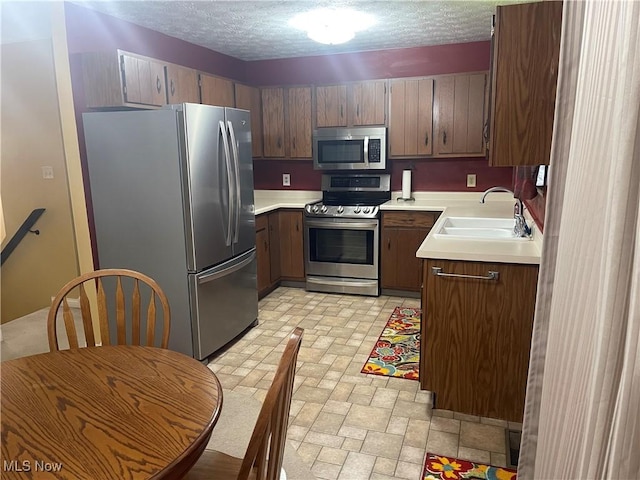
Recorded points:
(451, 204)
(268, 200)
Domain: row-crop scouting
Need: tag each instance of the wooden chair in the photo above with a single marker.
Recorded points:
(263, 458)
(121, 313)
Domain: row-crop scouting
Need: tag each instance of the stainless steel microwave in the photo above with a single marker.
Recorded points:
(356, 148)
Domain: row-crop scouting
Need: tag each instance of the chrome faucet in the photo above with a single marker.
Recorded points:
(520, 228)
(494, 189)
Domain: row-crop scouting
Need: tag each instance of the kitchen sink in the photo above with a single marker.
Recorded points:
(478, 229)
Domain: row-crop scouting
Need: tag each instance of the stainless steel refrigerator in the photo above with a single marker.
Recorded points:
(172, 197)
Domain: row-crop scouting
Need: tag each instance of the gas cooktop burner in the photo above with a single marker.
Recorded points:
(351, 196)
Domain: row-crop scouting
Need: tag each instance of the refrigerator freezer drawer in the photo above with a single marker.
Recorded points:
(224, 302)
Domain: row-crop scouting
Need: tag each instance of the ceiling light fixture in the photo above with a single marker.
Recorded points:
(332, 26)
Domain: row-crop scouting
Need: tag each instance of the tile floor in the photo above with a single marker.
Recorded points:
(345, 424)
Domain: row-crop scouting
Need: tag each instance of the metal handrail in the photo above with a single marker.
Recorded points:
(20, 234)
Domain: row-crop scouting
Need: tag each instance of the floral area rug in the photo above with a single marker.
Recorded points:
(437, 467)
(397, 351)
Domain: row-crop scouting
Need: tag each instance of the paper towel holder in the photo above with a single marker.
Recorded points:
(406, 195)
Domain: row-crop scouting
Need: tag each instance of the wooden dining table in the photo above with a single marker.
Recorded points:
(112, 412)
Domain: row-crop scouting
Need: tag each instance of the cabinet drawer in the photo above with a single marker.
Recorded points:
(409, 219)
(262, 222)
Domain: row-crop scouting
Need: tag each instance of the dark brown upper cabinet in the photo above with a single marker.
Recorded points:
(122, 79)
(525, 53)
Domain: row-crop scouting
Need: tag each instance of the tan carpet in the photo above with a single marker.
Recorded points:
(232, 433)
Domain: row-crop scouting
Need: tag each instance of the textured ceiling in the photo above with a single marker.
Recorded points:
(256, 30)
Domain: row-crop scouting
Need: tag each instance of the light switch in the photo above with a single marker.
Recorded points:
(471, 180)
(286, 179)
(47, 172)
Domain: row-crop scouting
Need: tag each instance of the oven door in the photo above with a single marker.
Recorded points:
(341, 247)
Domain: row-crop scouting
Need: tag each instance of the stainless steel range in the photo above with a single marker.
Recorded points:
(342, 234)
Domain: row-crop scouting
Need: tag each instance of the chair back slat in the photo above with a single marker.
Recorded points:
(269, 434)
(151, 320)
(135, 314)
(87, 319)
(69, 325)
(121, 326)
(103, 315)
(119, 302)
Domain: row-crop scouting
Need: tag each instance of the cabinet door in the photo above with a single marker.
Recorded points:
(263, 259)
(526, 49)
(299, 130)
(400, 268)
(411, 117)
(460, 114)
(331, 106)
(248, 98)
(368, 101)
(182, 85)
(402, 235)
(477, 335)
(273, 121)
(216, 91)
(291, 245)
(274, 246)
(143, 80)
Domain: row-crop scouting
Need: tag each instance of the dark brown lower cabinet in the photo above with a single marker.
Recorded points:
(291, 245)
(263, 254)
(402, 234)
(279, 249)
(476, 336)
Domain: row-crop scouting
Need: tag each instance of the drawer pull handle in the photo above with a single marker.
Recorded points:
(491, 275)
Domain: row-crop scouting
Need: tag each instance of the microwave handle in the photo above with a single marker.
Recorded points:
(366, 152)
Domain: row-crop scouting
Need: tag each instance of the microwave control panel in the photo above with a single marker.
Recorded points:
(374, 150)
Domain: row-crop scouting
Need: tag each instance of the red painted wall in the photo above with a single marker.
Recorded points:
(436, 175)
(91, 31)
(393, 63)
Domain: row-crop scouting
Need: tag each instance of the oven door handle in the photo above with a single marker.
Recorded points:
(343, 225)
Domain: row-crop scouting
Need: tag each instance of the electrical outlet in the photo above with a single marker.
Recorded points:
(286, 179)
(471, 180)
(47, 172)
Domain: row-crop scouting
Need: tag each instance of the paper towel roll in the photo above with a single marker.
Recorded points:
(406, 184)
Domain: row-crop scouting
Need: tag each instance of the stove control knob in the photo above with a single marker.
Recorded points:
(324, 209)
(357, 209)
(366, 210)
(340, 209)
(316, 208)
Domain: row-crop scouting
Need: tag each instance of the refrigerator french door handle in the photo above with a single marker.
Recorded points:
(227, 158)
(250, 257)
(236, 162)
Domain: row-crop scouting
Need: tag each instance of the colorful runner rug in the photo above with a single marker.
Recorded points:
(437, 467)
(397, 351)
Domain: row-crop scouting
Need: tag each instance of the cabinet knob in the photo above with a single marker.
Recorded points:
(158, 84)
(426, 138)
(341, 113)
(279, 143)
(173, 88)
(444, 137)
(294, 143)
(388, 244)
(358, 110)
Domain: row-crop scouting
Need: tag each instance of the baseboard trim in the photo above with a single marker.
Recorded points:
(73, 302)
